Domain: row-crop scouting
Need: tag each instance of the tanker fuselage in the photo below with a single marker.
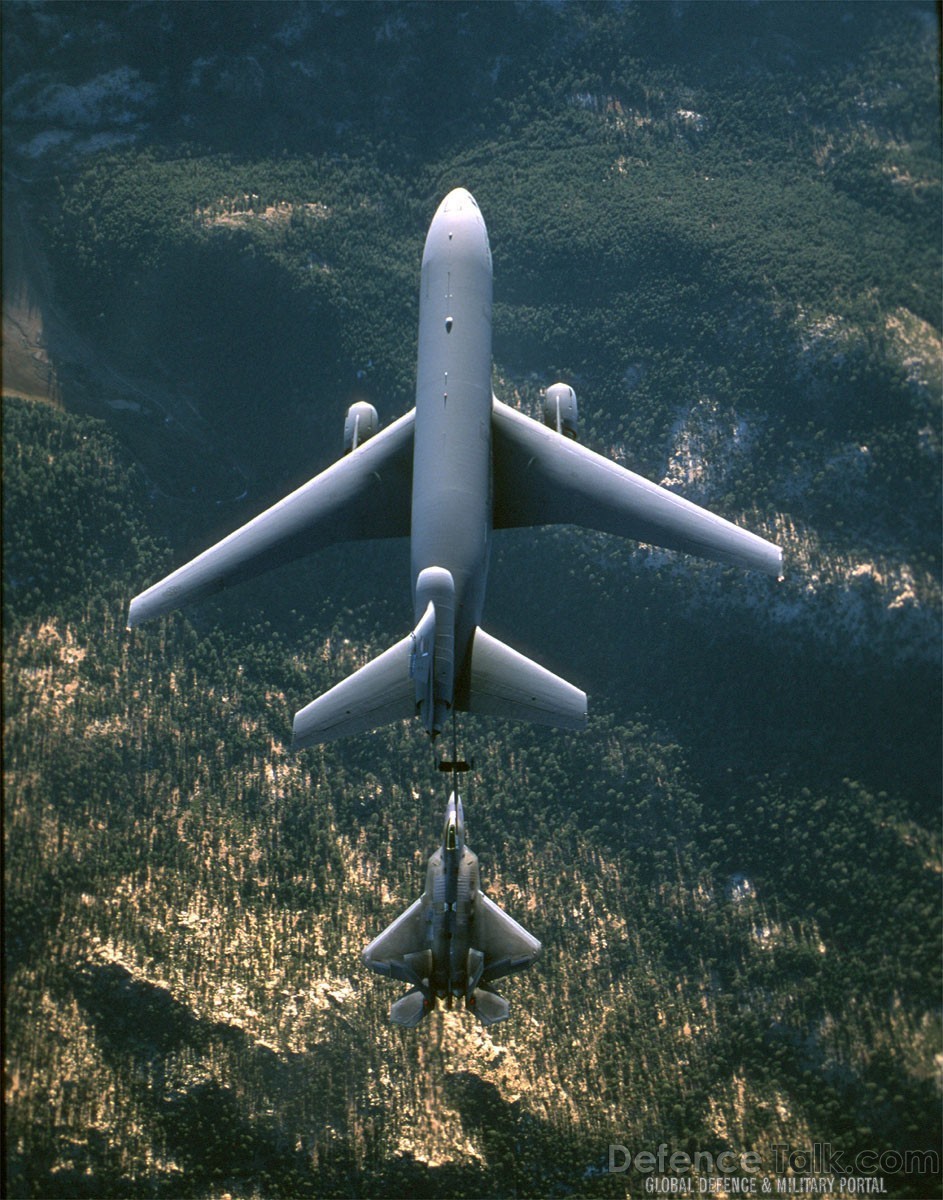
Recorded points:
(452, 482)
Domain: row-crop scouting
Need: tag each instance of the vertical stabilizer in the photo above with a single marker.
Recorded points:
(432, 665)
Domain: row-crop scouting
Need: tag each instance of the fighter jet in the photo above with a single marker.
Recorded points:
(453, 941)
(456, 467)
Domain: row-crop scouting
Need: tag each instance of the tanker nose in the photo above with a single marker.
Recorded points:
(459, 238)
(458, 200)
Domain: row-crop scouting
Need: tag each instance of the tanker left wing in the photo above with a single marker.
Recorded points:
(366, 494)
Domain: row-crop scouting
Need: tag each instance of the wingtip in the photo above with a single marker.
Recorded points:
(300, 740)
(770, 561)
(305, 740)
(136, 616)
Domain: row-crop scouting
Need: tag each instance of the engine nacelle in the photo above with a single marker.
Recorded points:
(360, 423)
(560, 411)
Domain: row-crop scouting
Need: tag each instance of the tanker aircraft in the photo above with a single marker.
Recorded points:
(446, 474)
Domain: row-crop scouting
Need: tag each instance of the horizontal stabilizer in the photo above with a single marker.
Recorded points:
(503, 683)
(378, 693)
(488, 1006)
(367, 494)
(410, 1010)
(542, 478)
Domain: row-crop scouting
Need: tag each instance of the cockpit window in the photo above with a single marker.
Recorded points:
(450, 838)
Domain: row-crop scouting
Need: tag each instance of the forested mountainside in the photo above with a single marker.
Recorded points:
(721, 224)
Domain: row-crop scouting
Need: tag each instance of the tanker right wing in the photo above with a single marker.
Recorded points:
(366, 494)
(543, 478)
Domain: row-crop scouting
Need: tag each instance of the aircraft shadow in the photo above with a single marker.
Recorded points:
(188, 1078)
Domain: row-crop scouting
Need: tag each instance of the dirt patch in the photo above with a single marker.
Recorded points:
(27, 369)
(47, 359)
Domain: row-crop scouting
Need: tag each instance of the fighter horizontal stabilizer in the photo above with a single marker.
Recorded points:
(378, 693)
(542, 478)
(367, 494)
(504, 683)
(409, 1009)
(488, 1006)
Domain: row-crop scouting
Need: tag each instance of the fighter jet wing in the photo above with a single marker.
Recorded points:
(367, 494)
(542, 478)
(507, 946)
(407, 935)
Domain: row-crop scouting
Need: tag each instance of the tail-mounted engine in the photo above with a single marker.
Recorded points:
(360, 423)
(560, 411)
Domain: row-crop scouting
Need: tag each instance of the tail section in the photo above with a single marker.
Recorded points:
(416, 676)
(488, 1006)
(378, 693)
(410, 1009)
(503, 683)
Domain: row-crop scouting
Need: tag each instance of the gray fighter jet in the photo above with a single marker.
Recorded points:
(446, 474)
(453, 941)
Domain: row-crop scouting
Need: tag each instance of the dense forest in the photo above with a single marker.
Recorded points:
(721, 223)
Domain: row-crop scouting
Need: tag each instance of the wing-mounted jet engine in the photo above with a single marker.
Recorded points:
(560, 410)
(453, 942)
(360, 423)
